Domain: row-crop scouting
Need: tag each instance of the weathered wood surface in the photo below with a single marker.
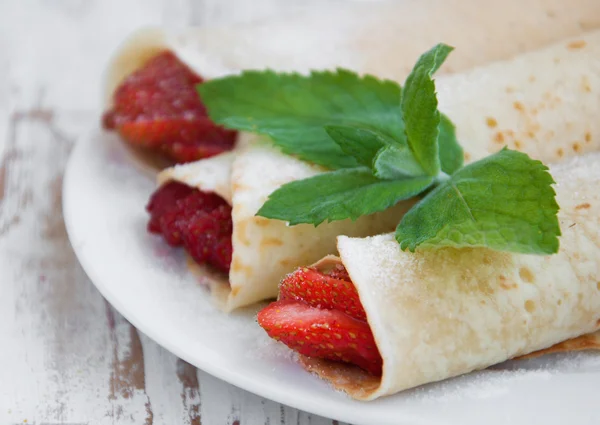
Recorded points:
(66, 356)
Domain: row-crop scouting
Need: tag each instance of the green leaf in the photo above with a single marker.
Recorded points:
(435, 57)
(504, 202)
(294, 109)
(419, 109)
(359, 143)
(451, 153)
(393, 162)
(338, 195)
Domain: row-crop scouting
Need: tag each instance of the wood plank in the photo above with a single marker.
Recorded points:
(55, 323)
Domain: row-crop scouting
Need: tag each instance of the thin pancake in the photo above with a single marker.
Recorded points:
(441, 313)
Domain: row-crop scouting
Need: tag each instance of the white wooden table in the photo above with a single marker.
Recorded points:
(66, 356)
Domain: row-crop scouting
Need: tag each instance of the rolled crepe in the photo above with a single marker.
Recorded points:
(544, 102)
(550, 117)
(441, 313)
(265, 250)
(384, 38)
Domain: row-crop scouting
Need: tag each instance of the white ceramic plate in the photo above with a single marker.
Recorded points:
(104, 199)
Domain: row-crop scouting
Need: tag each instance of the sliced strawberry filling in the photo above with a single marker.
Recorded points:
(320, 315)
(157, 108)
(198, 221)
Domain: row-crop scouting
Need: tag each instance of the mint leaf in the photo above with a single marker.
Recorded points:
(504, 202)
(434, 58)
(451, 153)
(294, 109)
(338, 195)
(419, 109)
(387, 144)
(359, 143)
(396, 162)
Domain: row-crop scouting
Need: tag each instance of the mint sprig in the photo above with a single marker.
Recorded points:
(386, 144)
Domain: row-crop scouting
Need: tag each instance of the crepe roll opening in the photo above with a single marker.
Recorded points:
(319, 315)
(199, 221)
(153, 105)
(209, 179)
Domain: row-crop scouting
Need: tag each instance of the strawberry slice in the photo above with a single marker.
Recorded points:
(198, 221)
(163, 200)
(327, 291)
(182, 152)
(340, 272)
(328, 334)
(320, 315)
(157, 108)
(207, 237)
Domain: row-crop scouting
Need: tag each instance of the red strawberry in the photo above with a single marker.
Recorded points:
(174, 221)
(329, 334)
(164, 199)
(170, 224)
(181, 152)
(207, 237)
(157, 108)
(323, 291)
(339, 272)
(199, 221)
(221, 254)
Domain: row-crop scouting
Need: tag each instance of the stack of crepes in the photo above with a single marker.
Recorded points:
(507, 103)
(439, 313)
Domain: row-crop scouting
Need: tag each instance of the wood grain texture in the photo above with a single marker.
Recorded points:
(67, 356)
